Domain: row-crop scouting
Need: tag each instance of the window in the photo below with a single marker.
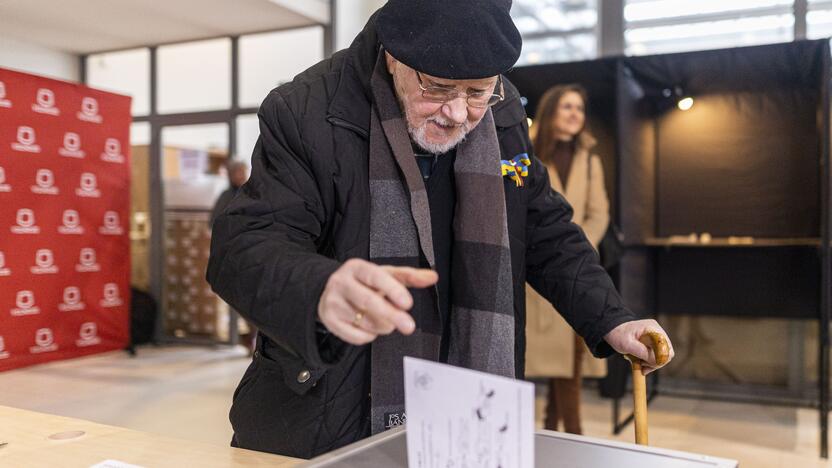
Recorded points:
(209, 138)
(662, 26)
(558, 49)
(192, 83)
(248, 130)
(139, 134)
(195, 76)
(126, 72)
(193, 160)
(556, 30)
(268, 60)
(819, 19)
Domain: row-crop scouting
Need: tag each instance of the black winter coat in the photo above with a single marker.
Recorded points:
(306, 210)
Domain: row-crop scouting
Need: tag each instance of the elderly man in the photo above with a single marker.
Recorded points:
(394, 210)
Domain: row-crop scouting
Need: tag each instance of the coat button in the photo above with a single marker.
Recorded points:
(304, 376)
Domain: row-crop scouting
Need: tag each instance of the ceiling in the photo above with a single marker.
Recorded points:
(85, 26)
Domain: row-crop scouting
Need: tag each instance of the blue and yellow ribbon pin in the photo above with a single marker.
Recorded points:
(517, 168)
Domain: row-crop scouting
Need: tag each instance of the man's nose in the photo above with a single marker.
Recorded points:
(456, 110)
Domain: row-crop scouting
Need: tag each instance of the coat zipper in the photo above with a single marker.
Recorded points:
(348, 125)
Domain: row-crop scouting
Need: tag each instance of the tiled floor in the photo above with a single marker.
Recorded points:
(185, 392)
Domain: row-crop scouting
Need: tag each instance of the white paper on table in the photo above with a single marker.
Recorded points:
(114, 464)
(460, 418)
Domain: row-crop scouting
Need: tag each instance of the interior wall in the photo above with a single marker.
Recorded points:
(38, 60)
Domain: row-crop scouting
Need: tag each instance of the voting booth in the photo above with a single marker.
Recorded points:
(723, 205)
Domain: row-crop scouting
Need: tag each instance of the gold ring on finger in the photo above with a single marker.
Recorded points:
(359, 316)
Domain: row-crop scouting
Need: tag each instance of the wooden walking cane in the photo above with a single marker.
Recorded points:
(657, 342)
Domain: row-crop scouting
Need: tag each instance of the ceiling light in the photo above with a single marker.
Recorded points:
(685, 103)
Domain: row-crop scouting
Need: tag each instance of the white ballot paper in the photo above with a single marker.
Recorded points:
(458, 418)
(114, 464)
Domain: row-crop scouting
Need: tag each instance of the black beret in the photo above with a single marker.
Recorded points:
(451, 39)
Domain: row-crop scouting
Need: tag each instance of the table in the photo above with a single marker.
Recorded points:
(27, 436)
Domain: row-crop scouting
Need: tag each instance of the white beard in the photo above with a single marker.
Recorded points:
(417, 134)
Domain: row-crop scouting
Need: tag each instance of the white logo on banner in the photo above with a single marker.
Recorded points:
(86, 261)
(25, 222)
(88, 335)
(4, 187)
(3, 353)
(3, 101)
(89, 186)
(111, 297)
(44, 263)
(26, 140)
(25, 303)
(45, 102)
(89, 110)
(72, 146)
(111, 224)
(44, 341)
(112, 151)
(72, 300)
(45, 181)
(72, 223)
(4, 271)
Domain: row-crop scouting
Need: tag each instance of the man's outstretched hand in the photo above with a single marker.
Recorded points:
(624, 339)
(362, 300)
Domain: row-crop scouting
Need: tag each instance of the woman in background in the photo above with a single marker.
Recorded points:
(554, 351)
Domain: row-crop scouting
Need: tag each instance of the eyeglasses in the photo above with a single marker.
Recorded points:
(479, 99)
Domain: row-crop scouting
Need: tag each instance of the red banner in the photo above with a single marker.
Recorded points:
(64, 220)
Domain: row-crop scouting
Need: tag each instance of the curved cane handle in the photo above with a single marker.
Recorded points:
(658, 343)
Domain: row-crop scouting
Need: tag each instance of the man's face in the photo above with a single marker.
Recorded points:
(434, 126)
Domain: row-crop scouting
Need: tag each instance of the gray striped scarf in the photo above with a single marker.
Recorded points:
(482, 309)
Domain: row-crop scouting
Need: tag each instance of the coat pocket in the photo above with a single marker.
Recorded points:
(271, 416)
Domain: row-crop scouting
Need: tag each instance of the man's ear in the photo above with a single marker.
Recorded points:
(391, 62)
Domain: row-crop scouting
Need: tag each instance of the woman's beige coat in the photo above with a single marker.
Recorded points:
(549, 339)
